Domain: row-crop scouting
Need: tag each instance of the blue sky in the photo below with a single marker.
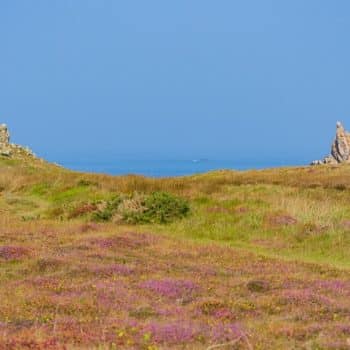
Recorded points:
(186, 78)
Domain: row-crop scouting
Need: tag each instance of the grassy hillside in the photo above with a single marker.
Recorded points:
(260, 261)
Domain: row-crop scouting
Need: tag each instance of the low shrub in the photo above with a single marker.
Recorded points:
(86, 183)
(258, 286)
(106, 210)
(82, 210)
(157, 207)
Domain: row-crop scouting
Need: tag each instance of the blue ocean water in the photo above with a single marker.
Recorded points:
(168, 168)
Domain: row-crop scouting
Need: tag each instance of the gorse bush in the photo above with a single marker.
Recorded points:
(157, 207)
(106, 210)
(163, 207)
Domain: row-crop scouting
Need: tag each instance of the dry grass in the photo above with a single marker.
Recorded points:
(115, 288)
(262, 262)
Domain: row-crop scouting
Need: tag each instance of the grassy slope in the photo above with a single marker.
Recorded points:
(69, 282)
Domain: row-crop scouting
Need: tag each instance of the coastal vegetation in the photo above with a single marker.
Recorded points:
(223, 260)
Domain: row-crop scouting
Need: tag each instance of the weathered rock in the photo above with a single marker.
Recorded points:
(341, 145)
(4, 135)
(7, 149)
(340, 150)
(5, 152)
(316, 162)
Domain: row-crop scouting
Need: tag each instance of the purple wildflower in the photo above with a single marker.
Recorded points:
(12, 252)
(305, 296)
(170, 288)
(114, 269)
(172, 333)
(227, 332)
(223, 314)
(337, 286)
(344, 328)
(103, 242)
(128, 241)
(170, 311)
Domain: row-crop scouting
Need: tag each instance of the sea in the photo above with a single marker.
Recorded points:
(170, 168)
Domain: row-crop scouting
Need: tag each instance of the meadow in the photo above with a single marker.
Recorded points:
(223, 260)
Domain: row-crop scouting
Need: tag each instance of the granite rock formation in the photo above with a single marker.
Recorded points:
(8, 149)
(340, 150)
(4, 135)
(5, 148)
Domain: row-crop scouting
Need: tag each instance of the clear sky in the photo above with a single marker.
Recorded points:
(222, 79)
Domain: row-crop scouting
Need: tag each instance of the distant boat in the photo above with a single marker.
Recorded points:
(199, 160)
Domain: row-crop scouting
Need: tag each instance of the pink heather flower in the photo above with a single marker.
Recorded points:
(104, 242)
(344, 328)
(337, 286)
(170, 288)
(227, 332)
(172, 333)
(114, 269)
(223, 314)
(304, 296)
(12, 252)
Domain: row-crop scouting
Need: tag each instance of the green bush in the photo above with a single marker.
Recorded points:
(103, 215)
(162, 207)
(86, 183)
(158, 207)
(107, 211)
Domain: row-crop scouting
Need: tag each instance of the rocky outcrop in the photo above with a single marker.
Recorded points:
(8, 149)
(4, 135)
(341, 145)
(340, 150)
(5, 148)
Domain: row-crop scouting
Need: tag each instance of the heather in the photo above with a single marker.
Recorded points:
(224, 260)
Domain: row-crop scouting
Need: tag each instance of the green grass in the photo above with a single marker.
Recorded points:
(67, 280)
(229, 207)
(317, 236)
